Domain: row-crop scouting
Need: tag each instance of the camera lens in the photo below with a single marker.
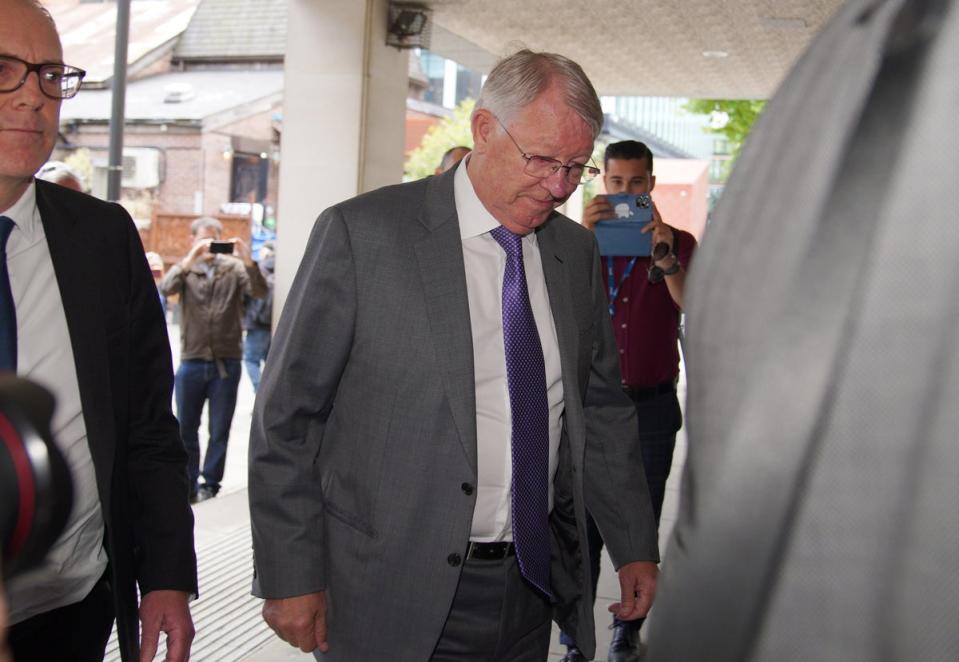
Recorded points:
(36, 491)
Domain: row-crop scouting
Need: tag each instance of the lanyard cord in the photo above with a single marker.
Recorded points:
(611, 281)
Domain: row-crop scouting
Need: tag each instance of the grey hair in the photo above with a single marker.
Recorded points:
(517, 80)
(205, 222)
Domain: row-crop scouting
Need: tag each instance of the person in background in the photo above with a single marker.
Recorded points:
(156, 270)
(60, 173)
(451, 157)
(211, 282)
(258, 320)
(646, 323)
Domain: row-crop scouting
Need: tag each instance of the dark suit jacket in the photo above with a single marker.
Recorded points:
(124, 370)
(364, 430)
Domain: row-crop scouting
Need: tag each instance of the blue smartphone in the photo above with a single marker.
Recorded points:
(622, 235)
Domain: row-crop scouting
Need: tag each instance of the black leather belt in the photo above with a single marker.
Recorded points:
(650, 392)
(490, 551)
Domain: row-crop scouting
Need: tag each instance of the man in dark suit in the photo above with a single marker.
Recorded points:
(79, 314)
(818, 512)
(443, 403)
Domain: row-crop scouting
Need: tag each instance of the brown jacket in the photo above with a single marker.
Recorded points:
(212, 306)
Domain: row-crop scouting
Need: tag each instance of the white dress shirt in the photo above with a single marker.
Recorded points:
(45, 356)
(485, 263)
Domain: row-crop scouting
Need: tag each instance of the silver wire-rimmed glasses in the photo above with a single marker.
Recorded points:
(544, 166)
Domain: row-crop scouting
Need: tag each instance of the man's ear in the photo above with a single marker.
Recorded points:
(483, 125)
(652, 182)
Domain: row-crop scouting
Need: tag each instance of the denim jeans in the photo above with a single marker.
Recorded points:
(256, 345)
(198, 381)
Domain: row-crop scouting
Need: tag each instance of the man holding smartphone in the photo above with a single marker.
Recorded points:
(211, 282)
(645, 300)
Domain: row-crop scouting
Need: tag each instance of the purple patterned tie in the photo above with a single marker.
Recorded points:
(526, 379)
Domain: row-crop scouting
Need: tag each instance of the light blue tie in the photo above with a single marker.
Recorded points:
(526, 381)
(8, 312)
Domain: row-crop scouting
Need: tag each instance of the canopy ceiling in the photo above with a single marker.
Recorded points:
(690, 48)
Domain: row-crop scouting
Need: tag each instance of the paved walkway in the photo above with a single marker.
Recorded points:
(227, 617)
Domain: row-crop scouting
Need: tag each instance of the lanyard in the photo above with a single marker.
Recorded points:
(613, 287)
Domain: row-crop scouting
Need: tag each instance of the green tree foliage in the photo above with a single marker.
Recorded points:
(449, 132)
(740, 114)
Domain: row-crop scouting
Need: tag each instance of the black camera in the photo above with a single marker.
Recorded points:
(36, 491)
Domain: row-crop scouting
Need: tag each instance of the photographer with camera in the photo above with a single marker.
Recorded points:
(79, 315)
(211, 282)
(645, 300)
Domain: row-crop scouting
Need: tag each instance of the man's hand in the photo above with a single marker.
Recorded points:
(200, 251)
(168, 611)
(637, 584)
(242, 251)
(597, 210)
(299, 621)
(662, 234)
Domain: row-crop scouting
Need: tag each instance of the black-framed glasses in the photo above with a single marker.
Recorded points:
(57, 81)
(544, 166)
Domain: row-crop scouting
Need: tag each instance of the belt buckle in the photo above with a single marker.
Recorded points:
(502, 550)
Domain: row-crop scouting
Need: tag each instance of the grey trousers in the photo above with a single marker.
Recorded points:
(496, 617)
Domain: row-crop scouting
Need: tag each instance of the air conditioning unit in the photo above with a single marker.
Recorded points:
(141, 167)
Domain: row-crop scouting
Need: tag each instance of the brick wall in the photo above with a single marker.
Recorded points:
(195, 164)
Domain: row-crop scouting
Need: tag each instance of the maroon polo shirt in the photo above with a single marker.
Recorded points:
(646, 319)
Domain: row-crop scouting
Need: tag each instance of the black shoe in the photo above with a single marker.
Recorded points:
(205, 492)
(625, 646)
(573, 654)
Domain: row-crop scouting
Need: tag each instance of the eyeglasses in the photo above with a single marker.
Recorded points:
(57, 81)
(544, 166)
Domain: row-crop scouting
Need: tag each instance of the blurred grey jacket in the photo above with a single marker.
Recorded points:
(818, 516)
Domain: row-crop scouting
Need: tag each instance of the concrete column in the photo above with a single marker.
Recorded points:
(573, 207)
(449, 84)
(344, 113)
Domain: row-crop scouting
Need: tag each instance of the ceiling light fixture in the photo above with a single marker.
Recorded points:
(716, 55)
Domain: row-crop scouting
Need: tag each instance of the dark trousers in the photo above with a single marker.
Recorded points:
(496, 617)
(77, 632)
(659, 420)
(196, 382)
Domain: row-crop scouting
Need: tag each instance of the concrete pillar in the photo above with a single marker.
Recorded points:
(573, 207)
(344, 113)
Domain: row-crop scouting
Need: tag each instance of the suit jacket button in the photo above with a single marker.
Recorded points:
(454, 559)
(467, 489)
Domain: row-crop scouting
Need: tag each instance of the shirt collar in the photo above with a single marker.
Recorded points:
(24, 212)
(474, 218)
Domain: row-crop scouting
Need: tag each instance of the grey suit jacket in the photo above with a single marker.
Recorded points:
(364, 429)
(818, 519)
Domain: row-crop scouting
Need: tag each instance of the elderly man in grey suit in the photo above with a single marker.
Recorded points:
(443, 403)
